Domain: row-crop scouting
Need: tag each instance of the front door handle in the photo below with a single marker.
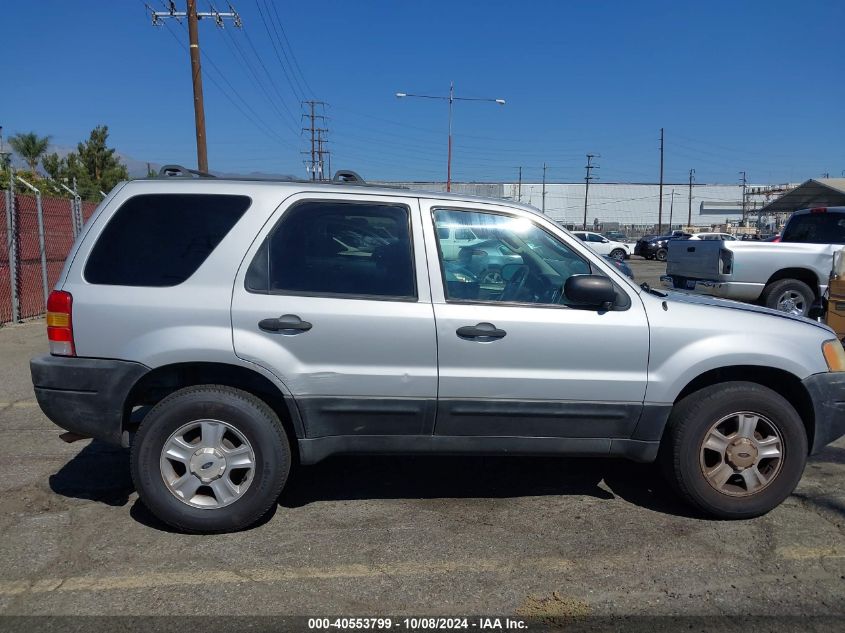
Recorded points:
(481, 331)
(289, 323)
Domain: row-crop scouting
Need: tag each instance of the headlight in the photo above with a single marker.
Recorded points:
(834, 355)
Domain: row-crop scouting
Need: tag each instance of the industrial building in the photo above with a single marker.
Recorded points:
(632, 206)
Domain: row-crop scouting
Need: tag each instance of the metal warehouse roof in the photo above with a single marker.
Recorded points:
(824, 192)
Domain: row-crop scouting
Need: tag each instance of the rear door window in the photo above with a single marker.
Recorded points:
(161, 240)
(327, 248)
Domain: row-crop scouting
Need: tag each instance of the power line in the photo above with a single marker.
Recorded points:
(300, 95)
(269, 76)
(290, 48)
(237, 51)
(255, 118)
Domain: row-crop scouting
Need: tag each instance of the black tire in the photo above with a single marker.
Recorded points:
(252, 417)
(661, 255)
(618, 254)
(689, 423)
(775, 290)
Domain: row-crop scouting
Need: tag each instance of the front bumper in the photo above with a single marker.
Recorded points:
(827, 392)
(85, 395)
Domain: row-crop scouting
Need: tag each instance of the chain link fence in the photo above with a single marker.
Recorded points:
(36, 235)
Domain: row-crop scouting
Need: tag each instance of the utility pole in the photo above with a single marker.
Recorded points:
(544, 188)
(671, 208)
(316, 162)
(518, 186)
(194, 17)
(689, 209)
(660, 204)
(744, 182)
(590, 167)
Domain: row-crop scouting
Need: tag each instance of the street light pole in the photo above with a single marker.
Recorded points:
(449, 154)
(451, 99)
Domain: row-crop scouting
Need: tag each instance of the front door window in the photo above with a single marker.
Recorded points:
(512, 260)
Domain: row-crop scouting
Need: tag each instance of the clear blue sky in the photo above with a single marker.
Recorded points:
(758, 86)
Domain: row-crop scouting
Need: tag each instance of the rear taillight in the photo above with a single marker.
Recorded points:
(60, 323)
(818, 210)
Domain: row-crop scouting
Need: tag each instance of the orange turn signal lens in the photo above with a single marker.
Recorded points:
(834, 355)
(58, 319)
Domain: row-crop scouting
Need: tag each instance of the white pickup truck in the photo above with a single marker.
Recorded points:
(788, 275)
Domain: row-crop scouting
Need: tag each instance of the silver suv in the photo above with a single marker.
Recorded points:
(226, 330)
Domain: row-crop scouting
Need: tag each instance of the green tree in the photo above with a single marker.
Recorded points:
(103, 168)
(94, 166)
(54, 166)
(30, 147)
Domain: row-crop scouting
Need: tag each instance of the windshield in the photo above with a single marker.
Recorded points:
(816, 228)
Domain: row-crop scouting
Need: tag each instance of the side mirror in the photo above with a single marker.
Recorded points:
(594, 291)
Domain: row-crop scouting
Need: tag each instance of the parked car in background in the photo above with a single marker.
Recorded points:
(454, 238)
(621, 265)
(727, 237)
(616, 236)
(774, 238)
(604, 246)
(788, 276)
(656, 246)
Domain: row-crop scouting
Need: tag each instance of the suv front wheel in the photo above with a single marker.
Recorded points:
(210, 459)
(736, 450)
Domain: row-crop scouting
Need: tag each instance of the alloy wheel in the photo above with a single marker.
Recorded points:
(741, 454)
(792, 302)
(207, 464)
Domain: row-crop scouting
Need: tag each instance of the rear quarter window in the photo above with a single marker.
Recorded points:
(162, 239)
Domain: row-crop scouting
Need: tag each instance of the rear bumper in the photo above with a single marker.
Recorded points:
(85, 395)
(739, 291)
(828, 395)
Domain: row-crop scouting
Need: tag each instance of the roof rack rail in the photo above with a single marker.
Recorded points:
(348, 176)
(177, 171)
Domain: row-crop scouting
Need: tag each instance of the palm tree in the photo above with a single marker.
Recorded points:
(30, 147)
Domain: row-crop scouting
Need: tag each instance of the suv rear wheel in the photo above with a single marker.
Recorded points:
(210, 459)
(736, 450)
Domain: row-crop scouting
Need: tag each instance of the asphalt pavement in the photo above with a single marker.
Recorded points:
(427, 535)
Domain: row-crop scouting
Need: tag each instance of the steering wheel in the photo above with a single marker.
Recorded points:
(515, 284)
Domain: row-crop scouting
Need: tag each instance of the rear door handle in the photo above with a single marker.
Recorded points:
(286, 323)
(481, 331)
